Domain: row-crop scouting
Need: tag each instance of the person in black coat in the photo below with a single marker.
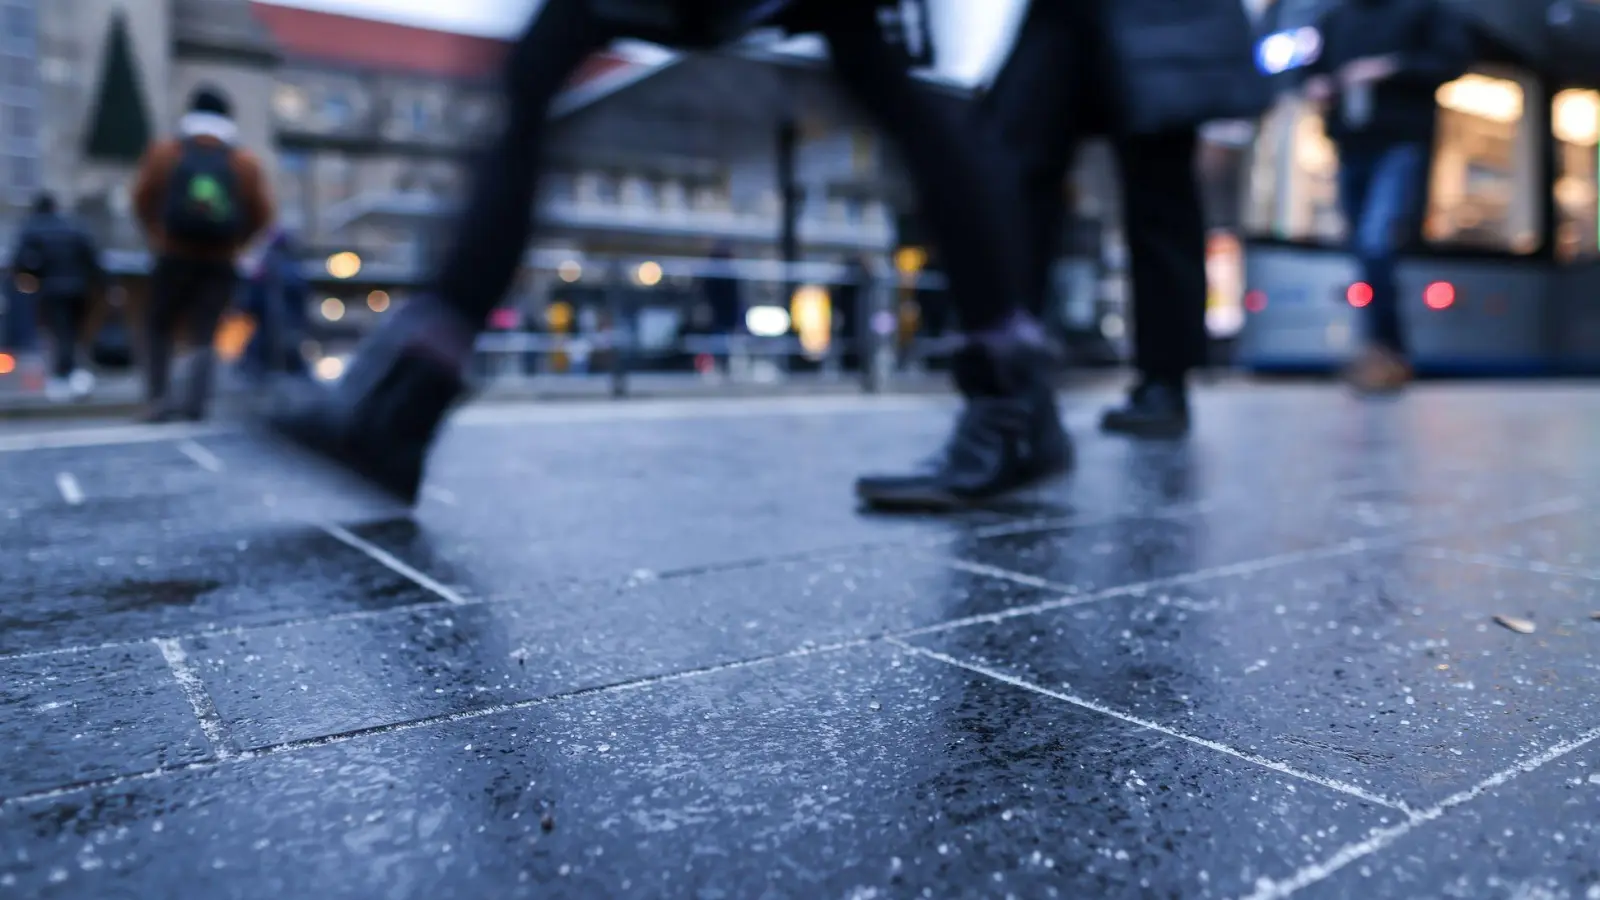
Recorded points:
(65, 262)
(1147, 73)
(383, 416)
(1382, 62)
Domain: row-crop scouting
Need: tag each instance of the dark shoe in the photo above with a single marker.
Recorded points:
(1008, 437)
(1155, 409)
(380, 421)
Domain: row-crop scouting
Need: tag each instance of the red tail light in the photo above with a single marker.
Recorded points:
(1359, 294)
(1255, 301)
(1439, 295)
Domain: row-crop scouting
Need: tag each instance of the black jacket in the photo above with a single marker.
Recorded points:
(60, 254)
(1177, 63)
(1432, 44)
(693, 24)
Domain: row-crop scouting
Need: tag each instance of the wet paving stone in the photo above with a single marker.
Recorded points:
(1536, 837)
(308, 680)
(75, 717)
(852, 774)
(1383, 670)
(1569, 542)
(68, 594)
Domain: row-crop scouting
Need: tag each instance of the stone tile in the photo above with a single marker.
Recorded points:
(1570, 542)
(76, 717)
(308, 680)
(161, 583)
(1383, 670)
(1535, 837)
(854, 774)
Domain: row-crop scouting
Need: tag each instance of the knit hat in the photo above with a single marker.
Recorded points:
(210, 100)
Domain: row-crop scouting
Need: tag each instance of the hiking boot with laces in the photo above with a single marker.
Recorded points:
(1008, 437)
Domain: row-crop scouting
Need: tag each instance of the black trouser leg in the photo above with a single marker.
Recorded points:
(1166, 232)
(169, 289)
(494, 228)
(66, 321)
(1038, 108)
(970, 207)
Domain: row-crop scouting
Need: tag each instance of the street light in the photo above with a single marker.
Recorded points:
(648, 274)
(344, 265)
(333, 309)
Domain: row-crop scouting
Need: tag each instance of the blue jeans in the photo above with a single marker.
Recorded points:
(1379, 189)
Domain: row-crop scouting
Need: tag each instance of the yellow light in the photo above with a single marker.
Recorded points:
(910, 260)
(649, 274)
(1576, 118)
(378, 301)
(329, 368)
(27, 284)
(811, 311)
(233, 335)
(8, 364)
(333, 309)
(1495, 99)
(344, 265)
(558, 316)
(570, 271)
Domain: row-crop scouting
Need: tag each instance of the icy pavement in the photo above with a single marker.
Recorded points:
(652, 650)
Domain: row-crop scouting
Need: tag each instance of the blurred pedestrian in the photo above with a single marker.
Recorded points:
(1382, 62)
(276, 297)
(384, 414)
(201, 198)
(1146, 73)
(63, 260)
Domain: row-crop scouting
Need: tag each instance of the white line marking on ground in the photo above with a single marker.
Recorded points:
(103, 437)
(1095, 706)
(201, 457)
(394, 564)
(1267, 889)
(570, 413)
(70, 490)
(441, 495)
(194, 690)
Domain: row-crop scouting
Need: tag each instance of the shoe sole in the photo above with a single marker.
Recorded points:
(931, 502)
(1158, 432)
(344, 464)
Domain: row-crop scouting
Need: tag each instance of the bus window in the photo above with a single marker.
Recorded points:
(1575, 118)
(1485, 188)
(1292, 187)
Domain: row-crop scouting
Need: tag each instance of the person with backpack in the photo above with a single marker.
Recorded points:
(64, 261)
(380, 420)
(200, 198)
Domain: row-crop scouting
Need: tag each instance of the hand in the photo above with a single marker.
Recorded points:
(1368, 70)
(1319, 88)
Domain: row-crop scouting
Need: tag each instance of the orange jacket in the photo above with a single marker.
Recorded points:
(150, 197)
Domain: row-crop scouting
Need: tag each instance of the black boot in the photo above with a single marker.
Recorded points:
(381, 418)
(1156, 408)
(1008, 437)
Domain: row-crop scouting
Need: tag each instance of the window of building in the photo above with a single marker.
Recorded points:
(337, 109)
(24, 174)
(17, 22)
(418, 115)
(1485, 191)
(21, 122)
(1575, 119)
(294, 193)
(19, 71)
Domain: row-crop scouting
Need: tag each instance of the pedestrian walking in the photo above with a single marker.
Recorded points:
(1382, 62)
(201, 198)
(1147, 74)
(381, 419)
(64, 263)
